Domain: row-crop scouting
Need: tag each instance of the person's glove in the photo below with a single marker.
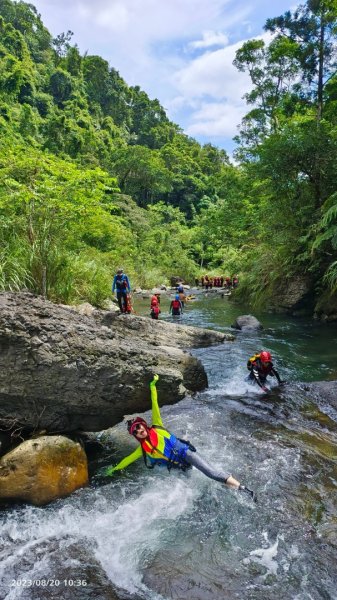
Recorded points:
(251, 493)
(108, 471)
(154, 380)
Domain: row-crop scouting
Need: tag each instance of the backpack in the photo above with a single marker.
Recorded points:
(121, 283)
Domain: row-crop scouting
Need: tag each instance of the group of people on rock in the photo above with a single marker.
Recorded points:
(208, 282)
(121, 285)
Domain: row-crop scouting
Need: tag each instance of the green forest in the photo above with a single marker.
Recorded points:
(93, 174)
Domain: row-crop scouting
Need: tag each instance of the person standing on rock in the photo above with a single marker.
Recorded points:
(122, 286)
(260, 366)
(160, 447)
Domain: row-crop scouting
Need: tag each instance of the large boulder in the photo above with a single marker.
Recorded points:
(246, 323)
(295, 295)
(326, 306)
(61, 371)
(43, 469)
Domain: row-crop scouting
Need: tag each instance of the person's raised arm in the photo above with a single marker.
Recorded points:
(156, 418)
(125, 462)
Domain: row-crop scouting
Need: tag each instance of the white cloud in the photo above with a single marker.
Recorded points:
(209, 39)
(152, 43)
(212, 74)
(216, 120)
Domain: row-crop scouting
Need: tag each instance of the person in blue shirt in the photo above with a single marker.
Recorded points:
(123, 288)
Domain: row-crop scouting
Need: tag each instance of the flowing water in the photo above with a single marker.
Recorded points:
(157, 535)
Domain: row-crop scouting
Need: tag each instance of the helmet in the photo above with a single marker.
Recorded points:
(132, 423)
(120, 270)
(177, 297)
(180, 288)
(265, 356)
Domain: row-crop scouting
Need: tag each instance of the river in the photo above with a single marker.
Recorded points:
(157, 535)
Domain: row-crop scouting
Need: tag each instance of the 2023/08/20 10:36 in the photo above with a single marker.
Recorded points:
(48, 582)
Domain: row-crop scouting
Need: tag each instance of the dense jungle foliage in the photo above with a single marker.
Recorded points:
(94, 175)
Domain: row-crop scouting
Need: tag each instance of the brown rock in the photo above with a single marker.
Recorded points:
(43, 469)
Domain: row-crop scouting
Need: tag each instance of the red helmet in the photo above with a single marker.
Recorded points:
(132, 424)
(265, 356)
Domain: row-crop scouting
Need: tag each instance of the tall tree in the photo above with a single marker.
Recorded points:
(311, 29)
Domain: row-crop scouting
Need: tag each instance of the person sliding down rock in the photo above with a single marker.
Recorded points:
(260, 366)
(158, 446)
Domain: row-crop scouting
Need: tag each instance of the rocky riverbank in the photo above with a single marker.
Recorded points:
(61, 371)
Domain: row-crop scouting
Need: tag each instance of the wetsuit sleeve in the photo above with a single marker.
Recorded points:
(114, 284)
(128, 460)
(171, 306)
(274, 373)
(156, 418)
(257, 376)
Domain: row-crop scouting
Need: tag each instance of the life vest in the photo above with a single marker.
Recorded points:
(163, 448)
(121, 283)
(255, 361)
(176, 304)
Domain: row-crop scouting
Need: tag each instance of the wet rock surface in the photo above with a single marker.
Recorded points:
(246, 323)
(323, 391)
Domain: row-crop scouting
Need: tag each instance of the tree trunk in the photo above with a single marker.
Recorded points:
(320, 71)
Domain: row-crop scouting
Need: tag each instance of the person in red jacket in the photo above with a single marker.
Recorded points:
(154, 308)
(260, 366)
(176, 307)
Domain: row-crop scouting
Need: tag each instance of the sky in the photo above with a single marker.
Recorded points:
(179, 51)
